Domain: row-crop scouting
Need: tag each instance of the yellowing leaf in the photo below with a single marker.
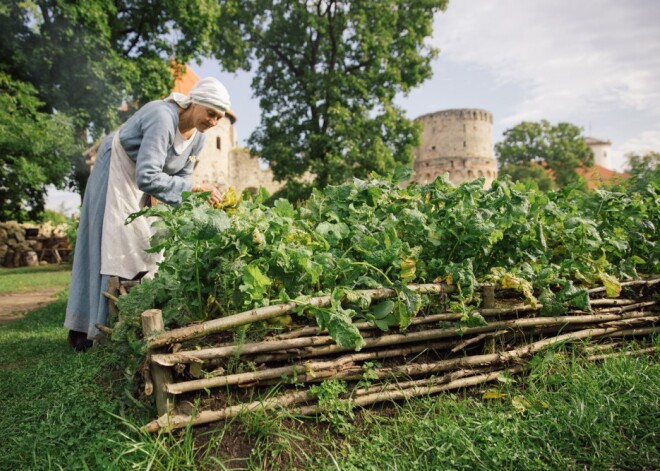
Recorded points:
(612, 285)
(408, 269)
(510, 281)
(493, 395)
(229, 200)
(520, 403)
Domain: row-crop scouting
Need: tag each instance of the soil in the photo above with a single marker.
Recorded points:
(14, 306)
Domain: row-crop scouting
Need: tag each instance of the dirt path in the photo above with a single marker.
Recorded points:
(13, 306)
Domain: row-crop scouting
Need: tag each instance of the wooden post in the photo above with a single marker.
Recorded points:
(488, 295)
(152, 323)
(113, 290)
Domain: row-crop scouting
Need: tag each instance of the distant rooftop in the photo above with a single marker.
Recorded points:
(593, 141)
(184, 82)
(598, 175)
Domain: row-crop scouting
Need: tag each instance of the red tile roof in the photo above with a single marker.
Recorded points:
(598, 176)
(184, 80)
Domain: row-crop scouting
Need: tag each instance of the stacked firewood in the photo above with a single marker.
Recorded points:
(31, 245)
(437, 352)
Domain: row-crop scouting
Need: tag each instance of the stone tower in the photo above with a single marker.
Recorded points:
(457, 142)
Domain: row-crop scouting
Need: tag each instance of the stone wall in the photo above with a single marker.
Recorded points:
(224, 164)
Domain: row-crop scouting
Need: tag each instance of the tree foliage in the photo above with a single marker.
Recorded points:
(34, 150)
(560, 148)
(87, 58)
(327, 75)
(530, 173)
(644, 170)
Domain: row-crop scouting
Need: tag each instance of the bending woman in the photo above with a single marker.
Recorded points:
(152, 154)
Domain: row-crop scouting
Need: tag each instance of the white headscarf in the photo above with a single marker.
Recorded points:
(207, 92)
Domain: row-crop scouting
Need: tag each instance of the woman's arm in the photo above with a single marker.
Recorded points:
(158, 130)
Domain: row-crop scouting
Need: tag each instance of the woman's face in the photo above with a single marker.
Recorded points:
(205, 118)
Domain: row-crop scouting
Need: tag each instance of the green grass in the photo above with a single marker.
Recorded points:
(26, 279)
(56, 404)
(582, 416)
(64, 410)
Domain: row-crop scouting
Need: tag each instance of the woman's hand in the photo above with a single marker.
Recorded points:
(216, 194)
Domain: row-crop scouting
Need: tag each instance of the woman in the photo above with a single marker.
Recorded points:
(152, 154)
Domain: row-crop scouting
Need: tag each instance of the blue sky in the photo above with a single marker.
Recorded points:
(593, 63)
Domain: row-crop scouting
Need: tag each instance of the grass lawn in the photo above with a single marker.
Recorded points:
(22, 280)
(64, 410)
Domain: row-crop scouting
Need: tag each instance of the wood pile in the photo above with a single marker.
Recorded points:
(32, 245)
(435, 353)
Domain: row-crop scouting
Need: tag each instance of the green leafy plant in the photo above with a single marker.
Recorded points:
(550, 247)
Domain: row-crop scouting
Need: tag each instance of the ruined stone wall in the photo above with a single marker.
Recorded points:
(222, 163)
(212, 164)
(247, 173)
(456, 142)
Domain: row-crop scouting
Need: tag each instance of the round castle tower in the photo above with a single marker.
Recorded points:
(456, 142)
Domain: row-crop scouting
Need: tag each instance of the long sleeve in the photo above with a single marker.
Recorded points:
(157, 139)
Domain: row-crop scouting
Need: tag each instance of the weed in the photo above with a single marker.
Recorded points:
(333, 410)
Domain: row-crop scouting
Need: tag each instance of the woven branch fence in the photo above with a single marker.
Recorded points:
(435, 353)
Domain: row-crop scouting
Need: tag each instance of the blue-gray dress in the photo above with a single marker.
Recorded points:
(148, 139)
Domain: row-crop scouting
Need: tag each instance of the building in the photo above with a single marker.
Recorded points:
(602, 151)
(600, 174)
(456, 142)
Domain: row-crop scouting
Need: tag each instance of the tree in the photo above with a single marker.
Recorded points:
(86, 58)
(529, 173)
(327, 74)
(560, 148)
(33, 151)
(644, 170)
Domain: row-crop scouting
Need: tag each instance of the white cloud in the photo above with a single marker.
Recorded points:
(66, 202)
(645, 141)
(569, 57)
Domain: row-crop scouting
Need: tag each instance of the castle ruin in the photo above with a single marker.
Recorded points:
(457, 142)
(223, 163)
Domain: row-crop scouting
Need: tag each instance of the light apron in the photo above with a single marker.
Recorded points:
(123, 246)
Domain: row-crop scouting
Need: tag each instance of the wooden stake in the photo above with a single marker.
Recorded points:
(649, 282)
(171, 422)
(611, 302)
(103, 328)
(152, 323)
(112, 298)
(112, 293)
(370, 399)
(375, 355)
(488, 293)
(476, 339)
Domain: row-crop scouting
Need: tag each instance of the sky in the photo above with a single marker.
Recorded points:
(592, 63)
